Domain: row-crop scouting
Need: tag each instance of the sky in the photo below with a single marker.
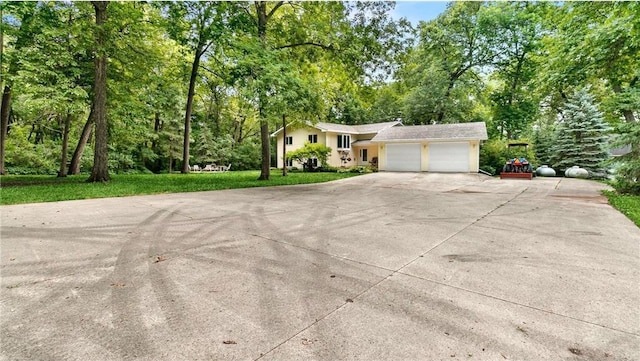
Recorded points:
(415, 11)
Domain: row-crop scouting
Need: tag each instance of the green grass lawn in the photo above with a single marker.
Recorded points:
(627, 204)
(36, 189)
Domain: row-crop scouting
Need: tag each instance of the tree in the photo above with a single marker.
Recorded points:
(627, 166)
(543, 139)
(199, 26)
(581, 136)
(87, 129)
(514, 102)
(55, 85)
(310, 151)
(443, 72)
(100, 170)
(359, 36)
(21, 34)
(600, 38)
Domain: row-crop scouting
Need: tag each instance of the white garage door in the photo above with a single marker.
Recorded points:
(449, 157)
(403, 157)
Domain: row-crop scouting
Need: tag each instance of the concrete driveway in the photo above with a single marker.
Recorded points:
(386, 266)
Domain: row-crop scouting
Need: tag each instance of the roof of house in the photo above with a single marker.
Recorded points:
(349, 129)
(355, 129)
(466, 131)
(620, 151)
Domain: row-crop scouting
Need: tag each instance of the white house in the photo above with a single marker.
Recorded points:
(392, 146)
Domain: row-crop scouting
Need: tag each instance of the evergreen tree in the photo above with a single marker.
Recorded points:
(581, 136)
(543, 144)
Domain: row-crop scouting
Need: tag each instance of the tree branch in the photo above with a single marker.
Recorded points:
(275, 7)
(204, 48)
(221, 76)
(325, 47)
(246, 9)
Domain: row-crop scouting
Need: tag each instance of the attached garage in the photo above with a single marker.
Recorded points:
(403, 157)
(448, 157)
(431, 148)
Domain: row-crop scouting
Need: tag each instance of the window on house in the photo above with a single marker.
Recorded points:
(288, 140)
(313, 162)
(313, 138)
(344, 141)
(289, 162)
(363, 155)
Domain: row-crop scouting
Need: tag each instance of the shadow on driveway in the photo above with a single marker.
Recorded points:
(387, 266)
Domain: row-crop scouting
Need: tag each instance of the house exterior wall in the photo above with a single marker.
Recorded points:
(372, 151)
(330, 139)
(334, 158)
(382, 156)
(300, 136)
(474, 156)
(424, 154)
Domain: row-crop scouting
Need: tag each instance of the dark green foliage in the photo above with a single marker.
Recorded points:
(505, 63)
(543, 140)
(246, 156)
(494, 154)
(512, 116)
(627, 166)
(581, 137)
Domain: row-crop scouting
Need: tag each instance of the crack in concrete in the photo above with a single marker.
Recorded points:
(519, 304)
(399, 271)
(393, 272)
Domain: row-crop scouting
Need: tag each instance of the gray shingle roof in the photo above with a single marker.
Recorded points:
(431, 132)
(348, 129)
(617, 152)
(355, 129)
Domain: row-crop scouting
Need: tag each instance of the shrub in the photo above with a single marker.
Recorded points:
(359, 169)
(495, 153)
(246, 156)
(328, 169)
(310, 151)
(627, 166)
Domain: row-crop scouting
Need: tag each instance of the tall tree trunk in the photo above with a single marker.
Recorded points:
(284, 146)
(216, 114)
(157, 126)
(65, 146)
(447, 94)
(3, 127)
(5, 109)
(23, 39)
(261, 10)
(100, 170)
(627, 113)
(266, 148)
(4, 121)
(187, 116)
(74, 167)
(238, 125)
